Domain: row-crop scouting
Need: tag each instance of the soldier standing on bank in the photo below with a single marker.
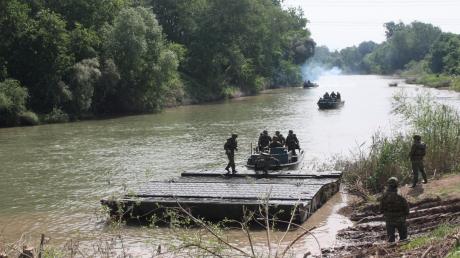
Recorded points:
(395, 210)
(230, 147)
(416, 155)
(292, 142)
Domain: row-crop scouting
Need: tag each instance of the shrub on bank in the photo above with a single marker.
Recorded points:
(13, 98)
(28, 118)
(438, 124)
(56, 116)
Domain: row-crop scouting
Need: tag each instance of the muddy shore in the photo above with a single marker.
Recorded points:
(433, 207)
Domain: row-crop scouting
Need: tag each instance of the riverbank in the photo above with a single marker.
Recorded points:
(438, 81)
(433, 224)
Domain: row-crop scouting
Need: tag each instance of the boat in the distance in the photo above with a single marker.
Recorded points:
(330, 103)
(308, 84)
(393, 84)
(279, 158)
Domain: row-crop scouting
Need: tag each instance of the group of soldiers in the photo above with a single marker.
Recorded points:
(393, 206)
(265, 141)
(333, 96)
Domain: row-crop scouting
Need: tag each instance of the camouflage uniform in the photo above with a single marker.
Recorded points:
(275, 143)
(264, 140)
(395, 210)
(292, 142)
(230, 147)
(416, 154)
(280, 137)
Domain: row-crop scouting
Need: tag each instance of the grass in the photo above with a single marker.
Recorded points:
(454, 253)
(367, 171)
(434, 236)
(434, 80)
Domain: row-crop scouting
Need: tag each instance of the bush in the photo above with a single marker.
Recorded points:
(28, 118)
(13, 99)
(56, 116)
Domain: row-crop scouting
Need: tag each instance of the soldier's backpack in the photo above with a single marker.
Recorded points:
(420, 150)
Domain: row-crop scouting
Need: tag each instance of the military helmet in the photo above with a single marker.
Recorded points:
(275, 138)
(392, 182)
(277, 132)
(234, 135)
(417, 137)
(290, 131)
(265, 132)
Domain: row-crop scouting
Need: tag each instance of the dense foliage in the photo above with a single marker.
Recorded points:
(78, 58)
(418, 47)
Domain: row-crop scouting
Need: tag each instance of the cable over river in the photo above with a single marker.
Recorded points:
(53, 176)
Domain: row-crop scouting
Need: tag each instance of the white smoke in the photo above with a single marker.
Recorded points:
(312, 71)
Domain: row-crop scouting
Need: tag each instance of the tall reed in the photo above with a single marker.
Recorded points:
(367, 170)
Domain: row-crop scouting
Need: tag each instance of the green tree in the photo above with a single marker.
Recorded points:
(83, 77)
(445, 54)
(139, 50)
(13, 98)
(39, 58)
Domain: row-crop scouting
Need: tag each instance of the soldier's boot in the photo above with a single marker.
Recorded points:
(228, 171)
(425, 180)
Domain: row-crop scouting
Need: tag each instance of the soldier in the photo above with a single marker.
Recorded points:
(275, 143)
(326, 96)
(338, 95)
(263, 162)
(292, 142)
(395, 210)
(333, 95)
(281, 138)
(416, 155)
(230, 147)
(264, 140)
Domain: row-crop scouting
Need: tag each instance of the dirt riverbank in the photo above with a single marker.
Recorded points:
(433, 224)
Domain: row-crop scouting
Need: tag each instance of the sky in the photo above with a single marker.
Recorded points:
(342, 23)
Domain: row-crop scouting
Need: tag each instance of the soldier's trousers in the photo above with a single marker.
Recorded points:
(392, 225)
(231, 161)
(417, 166)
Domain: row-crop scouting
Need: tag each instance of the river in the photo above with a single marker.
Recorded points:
(53, 176)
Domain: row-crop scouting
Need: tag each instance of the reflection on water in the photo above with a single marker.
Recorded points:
(52, 176)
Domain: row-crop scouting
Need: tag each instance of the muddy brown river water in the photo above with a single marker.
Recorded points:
(53, 176)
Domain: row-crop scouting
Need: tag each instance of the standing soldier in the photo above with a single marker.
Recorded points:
(395, 210)
(280, 137)
(230, 147)
(292, 142)
(416, 155)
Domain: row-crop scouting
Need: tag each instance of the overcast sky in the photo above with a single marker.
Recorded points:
(342, 23)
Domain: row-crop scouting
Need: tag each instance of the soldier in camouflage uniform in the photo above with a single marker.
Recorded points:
(280, 137)
(416, 155)
(292, 142)
(395, 210)
(230, 147)
(264, 140)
